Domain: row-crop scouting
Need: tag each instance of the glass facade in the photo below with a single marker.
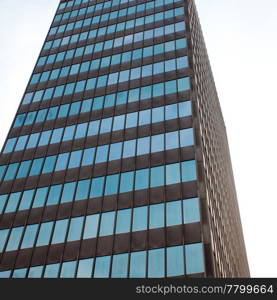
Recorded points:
(100, 161)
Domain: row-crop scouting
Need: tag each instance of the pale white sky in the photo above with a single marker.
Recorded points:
(241, 40)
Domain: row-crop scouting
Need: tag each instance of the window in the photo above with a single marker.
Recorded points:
(62, 161)
(143, 145)
(44, 234)
(11, 171)
(54, 194)
(51, 271)
(19, 273)
(68, 192)
(120, 265)
(142, 179)
(3, 237)
(35, 272)
(97, 187)
(156, 216)
(107, 223)
(26, 199)
(14, 238)
(173, 173)
(172, 140)
(82, 189)
(91, 226)
(186, 137)
(112, 182)
(123, 221)
(157, 176)
(140, 217)
(23, 169)
(29, 236)
(173, 213)
(156, 263)
(194, 258)
(175, 261)
(188, 170)
(85, 268)
(126, 182)
(138, 264)
(102, 267)
(60, 231)
(102, 154)
(88, 156)
(191, 210)
(68, 269)
(115, 151)
(40, 197)
(75, 229)
(75, 159)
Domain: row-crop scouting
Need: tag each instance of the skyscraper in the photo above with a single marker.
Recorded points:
(117, 162)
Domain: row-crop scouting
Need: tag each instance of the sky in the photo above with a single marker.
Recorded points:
(241, 41)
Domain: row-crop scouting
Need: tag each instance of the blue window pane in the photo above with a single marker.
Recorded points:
(2, 171)
(82, 189)
(194, 258)
(173, 213)
(171, 140)
(81, 130)
(184, 109)
(51, 271)
(54, 194)
(157, 143)
(63, 111)
(21, 142)
(118, 123)
(129, 148)
(3, 199)
(3, 237)
(33, 140)
(102, 154)
(52, 113)
(75, 229)
(30, 118)
(107, 223)
(11, 171)
(85, 268)
(44, 234)
(35, 272)
(157, 176)
(88, 156)
(120, 265)
(102, 267)
(133, 95)
(112, 182)
(13, 202)
(98, 103)
(97, 187)
(91, 226)
(183, 84)
(132, 120)
(10, 145)
(44, 138)
(157, 114)
(138, 264)
(68, 269)
(156, 216)
(29, 236)
(115, 151)
(144, 117)
(142, 179)
(69, 133)
(23, 169)
(123, 221)
(93, 128)
(26, 199)
(5, 274)
(188, 170)
(38, 94)
(171, 112)
(62, 161)
(106, 125)
(60, 231)
(14, 238)
(49, 164)
(143, 145)
(75, 159)
(175, 261)
(140, 217)
(56, 136)
(86, 105)
(186, 137)
(40, 197)
(156, 263)
(191, 210)
(126, 182)
(27, 98)
(19, 273)
(74, 108)
(158, 89)
(173, 174)
(68, 192)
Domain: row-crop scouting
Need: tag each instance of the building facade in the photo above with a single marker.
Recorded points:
(117, 162)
